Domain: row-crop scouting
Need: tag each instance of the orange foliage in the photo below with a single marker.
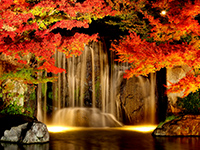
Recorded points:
(188, 84)
(28, 27)
(174, 40)
(178, 21)
(148, 57)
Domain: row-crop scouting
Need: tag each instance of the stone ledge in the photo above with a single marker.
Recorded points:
(187, 125)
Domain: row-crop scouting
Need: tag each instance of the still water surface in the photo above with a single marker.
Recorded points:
(109, 139)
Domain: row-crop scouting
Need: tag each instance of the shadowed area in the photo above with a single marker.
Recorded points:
(8, 121)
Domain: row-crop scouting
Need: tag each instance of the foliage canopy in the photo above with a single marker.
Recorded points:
(32, 29)
(170, 39)
(30, 33)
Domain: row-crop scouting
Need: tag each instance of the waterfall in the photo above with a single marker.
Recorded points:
(148, 93)
(88, 94)
(89, 89)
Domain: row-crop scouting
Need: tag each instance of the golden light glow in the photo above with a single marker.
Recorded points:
(163, 12)
(141, 128)
(58, 128)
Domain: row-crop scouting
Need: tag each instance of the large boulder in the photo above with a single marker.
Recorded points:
(137, 101)
(187, 125)
(20, 129)
(174, 75)
(132, 101)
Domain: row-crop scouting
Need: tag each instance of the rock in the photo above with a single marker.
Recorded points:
(9, 121)
(135, 97)
(22, 130)
(132, 102)
(38, 133)
(188, 125)
(14, 134)
(173, 76)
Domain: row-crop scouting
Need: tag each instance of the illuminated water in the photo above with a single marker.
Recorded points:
(105, 139)
(124, 138)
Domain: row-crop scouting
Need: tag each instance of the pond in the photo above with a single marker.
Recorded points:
(109, 139)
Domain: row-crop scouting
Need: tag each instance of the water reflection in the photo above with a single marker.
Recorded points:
(109, 139)
(11, 146)
(101, 140)
(178, 143)
(106, 139)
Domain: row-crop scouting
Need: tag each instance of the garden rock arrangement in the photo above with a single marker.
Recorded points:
(20, 129)
(187, 125)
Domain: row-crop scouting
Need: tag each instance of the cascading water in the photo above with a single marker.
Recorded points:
(148, 92)
(90, 83)
(87, 94)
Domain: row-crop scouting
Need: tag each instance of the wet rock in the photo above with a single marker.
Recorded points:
(14, 134)
(133, 100)
(9, 121)
(22, 129)
(187, 125)
(38, 133)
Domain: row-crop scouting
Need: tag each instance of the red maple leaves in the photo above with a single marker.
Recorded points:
(188, 84)
(149, 57)
(27, 27)
(174, 41)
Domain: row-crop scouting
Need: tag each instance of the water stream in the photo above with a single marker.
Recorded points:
(148, 92)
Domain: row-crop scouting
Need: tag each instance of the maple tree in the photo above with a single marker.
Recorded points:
(170, 39)
(32, 28)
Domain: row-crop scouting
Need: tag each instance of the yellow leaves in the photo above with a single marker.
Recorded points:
(19, 2)
(197, 71)
(195, 42)
(41, 11)
(176, 35)
(45, 16)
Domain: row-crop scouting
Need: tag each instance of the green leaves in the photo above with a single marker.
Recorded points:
(28, 76)
(14, 108)
(169, 118)
(190, 104)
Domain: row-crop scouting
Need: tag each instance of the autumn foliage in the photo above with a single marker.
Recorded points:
(172, 40)
(27, 28)
(33, 29)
